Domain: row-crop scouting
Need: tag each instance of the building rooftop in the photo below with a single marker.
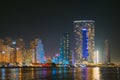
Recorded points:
(84, 21)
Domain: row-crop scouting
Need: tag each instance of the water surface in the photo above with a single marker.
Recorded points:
(88, 73)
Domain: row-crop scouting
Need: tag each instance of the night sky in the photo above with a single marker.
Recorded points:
(48, 20)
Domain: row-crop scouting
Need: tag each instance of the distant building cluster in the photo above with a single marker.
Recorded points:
(14, 52)
(64, 56)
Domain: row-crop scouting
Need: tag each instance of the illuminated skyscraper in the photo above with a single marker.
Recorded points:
(65, 49)
(84, 40)
(39, 52)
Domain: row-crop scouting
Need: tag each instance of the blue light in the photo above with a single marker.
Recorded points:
(85, 44)
(53, 60)
(3, 73)
(40, 52)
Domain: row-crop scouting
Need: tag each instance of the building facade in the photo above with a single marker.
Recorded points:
(65, 49)
(84, 40)
(39, 52)
(106, 52)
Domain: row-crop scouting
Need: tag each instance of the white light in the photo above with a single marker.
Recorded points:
(3, 52)
(83, 21)
(17, 48)
(82, 65)
(14, 42)
(97, 53)
(84, 29)
(96, 73)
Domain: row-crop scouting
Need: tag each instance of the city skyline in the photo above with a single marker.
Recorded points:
(49, 20)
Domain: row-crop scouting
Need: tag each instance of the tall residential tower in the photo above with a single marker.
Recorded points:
(106, 53)
(65, 49)
(84, 40)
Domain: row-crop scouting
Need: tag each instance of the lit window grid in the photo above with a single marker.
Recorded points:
(78, 37)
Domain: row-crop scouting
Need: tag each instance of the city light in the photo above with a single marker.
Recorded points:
(84, 40)
(14, 42)
(3, 52)
(96, 73)
(97, 55)
(59, 40)
(84, 29)
(17, 48)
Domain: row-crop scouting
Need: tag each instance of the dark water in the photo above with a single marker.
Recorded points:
(88, 73)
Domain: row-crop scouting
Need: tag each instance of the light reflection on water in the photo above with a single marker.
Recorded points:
(3, 74)
(96, 73)
(90, 73)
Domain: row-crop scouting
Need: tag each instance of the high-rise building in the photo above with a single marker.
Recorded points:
(106, 53)
(65, 49)
(84, 40)
(39, 51)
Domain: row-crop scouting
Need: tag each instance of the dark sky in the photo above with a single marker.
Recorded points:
(48, 20)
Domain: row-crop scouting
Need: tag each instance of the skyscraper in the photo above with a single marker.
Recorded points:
(84, 40)
(65, 49)
(106, 53)
(39, 51)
